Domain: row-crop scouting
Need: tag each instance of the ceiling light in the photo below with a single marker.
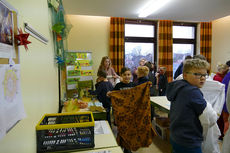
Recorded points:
(151, 7)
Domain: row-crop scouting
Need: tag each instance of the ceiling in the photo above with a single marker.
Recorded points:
(177, 10)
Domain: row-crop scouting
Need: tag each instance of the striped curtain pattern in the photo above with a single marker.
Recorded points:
(116, 52)
(206, 40)
(165, 57)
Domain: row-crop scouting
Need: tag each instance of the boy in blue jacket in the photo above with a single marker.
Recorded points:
(102, 87)
(187, 104)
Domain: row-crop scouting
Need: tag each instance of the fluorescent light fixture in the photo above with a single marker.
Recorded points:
(34, 33)
(151, 7)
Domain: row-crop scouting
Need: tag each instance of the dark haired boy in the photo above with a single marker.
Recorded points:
(102, 87)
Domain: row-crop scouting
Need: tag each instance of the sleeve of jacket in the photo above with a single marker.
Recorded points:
(228, 98)
(208, 118)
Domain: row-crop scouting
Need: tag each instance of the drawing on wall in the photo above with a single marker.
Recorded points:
(6, 32)
(12, 109)
(10, 85)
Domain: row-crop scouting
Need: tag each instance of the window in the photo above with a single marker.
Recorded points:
(184, 42)
(140, 42)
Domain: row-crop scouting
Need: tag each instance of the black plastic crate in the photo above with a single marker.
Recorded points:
(65, 131)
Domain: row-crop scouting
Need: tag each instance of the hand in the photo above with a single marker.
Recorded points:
(108, 93)
(90, 92)
(157, 74)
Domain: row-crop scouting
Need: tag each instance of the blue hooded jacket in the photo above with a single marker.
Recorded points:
(187, 103)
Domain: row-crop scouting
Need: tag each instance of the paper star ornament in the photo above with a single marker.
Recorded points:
(22, 38)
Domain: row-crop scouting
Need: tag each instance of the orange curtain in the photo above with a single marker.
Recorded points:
(116, 52)
(206, 40)
(165, 57)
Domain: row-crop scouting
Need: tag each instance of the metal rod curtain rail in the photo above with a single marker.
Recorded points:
(35, 34)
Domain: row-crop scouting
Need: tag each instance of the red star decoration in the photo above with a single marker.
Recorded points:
(22, 38)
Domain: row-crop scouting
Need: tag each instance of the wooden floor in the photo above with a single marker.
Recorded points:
(158, 146)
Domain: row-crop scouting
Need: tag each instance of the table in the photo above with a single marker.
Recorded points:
(161, 102)
(111, 149)
(105, 141)
(96, 114)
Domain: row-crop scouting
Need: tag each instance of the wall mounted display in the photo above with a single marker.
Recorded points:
(11, 106)
(6, 32)
(79, 68)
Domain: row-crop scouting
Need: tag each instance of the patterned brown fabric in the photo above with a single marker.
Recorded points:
(206, 40)
(165, 58)
(116, 52)
(132, 116)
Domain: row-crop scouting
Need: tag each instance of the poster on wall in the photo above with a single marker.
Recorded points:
(6, 32)
(12, 109)
(79, 68)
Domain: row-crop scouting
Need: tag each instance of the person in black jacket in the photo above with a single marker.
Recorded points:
(126, 80)
(162, 81)
(102, 87)
(179, 70)
(142, 74)
(187, 105)
(151, 76)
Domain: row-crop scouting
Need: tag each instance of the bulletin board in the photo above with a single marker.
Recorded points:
(11, 106)
(8, 29)
(79, 73)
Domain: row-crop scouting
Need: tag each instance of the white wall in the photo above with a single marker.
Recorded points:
(220, 41)
(39, 77)
(90, 33)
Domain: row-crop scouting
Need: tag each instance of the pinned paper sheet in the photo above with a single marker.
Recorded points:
(83, 63)
(81, 55)
(86, 72)
(101, 127)
(12, 109)
(72, 80)
(74, 73)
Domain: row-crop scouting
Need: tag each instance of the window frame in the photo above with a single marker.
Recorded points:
(186, 40)
(143, 39)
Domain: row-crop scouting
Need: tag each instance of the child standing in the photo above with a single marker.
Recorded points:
(125, 84)
(142, 74)
(126, 78)
(187, 105)
(162, 81)
(102, 87)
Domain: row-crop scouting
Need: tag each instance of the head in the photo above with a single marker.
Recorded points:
(142, 71)
(105, 62)
(162, 70)
(149, 65)
(222, 68)
(142, 62)
(195, 71)
(199, 56)
(101, 74)
(188, 57)
(153, 66)
(228, 63)
(126, 74)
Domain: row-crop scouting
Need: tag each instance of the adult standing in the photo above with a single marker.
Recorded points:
(179, 70)
(106, 65)
(225, 110)
(222, 71)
